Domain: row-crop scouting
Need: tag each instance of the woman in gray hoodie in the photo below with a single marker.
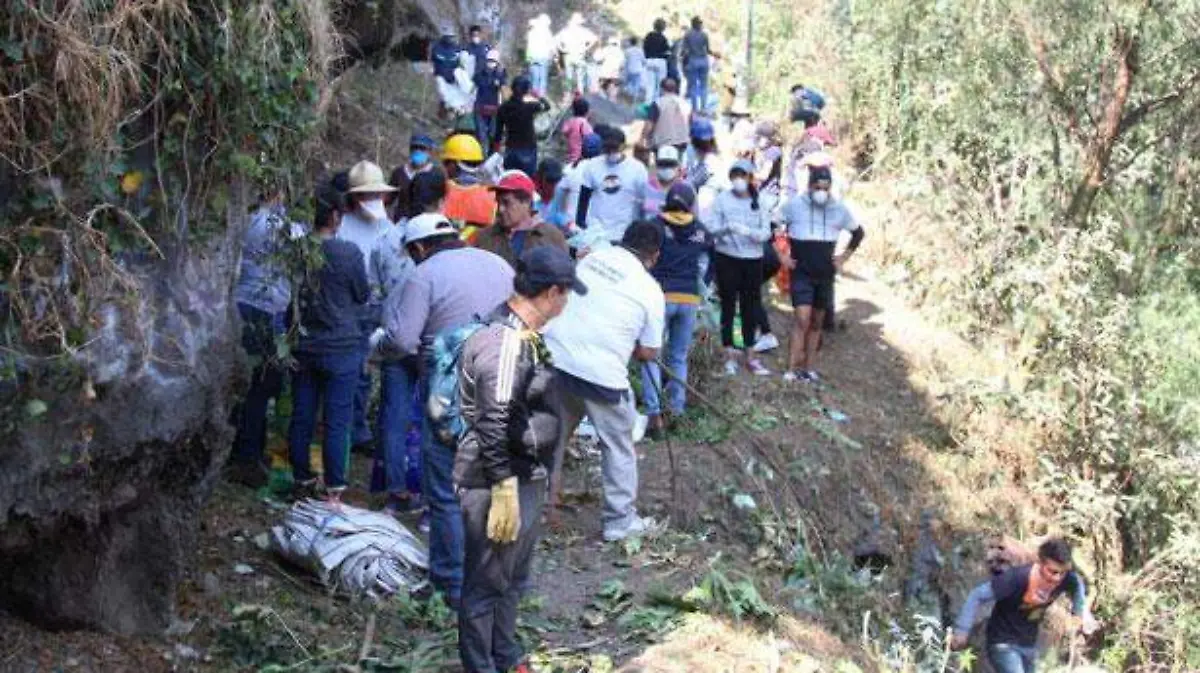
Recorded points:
(740, 226)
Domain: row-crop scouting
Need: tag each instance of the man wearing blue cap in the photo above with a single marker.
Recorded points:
(420, 160)
(506, 389)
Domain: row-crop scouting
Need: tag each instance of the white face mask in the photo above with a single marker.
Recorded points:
(667, 174)
(374, 209)
(740, 185)
(614, 157)
(820, 197)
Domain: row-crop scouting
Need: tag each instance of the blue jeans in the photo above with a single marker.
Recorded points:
(395, 405)
(1010, 658)
(361, 430)
(680, 326)
(259, 329)
(328, 379)
(485, 130)
(446, 538)
(522, 159)
(539, 76)
(577, 77)
(697, 83)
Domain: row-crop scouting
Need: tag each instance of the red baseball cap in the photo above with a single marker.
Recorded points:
(515, 181)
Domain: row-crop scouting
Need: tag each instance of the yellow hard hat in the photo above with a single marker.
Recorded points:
(462, 147)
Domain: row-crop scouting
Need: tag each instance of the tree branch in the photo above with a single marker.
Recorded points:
(1058, 91)
(1099, 150)
(1147, 108)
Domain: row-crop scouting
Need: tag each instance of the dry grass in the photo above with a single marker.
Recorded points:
(705, 643)
(87, 70)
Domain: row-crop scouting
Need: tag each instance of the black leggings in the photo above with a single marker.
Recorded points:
(739, 286)
(770, 267)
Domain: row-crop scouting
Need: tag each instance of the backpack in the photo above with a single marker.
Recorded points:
(444, 408)
(445, 58)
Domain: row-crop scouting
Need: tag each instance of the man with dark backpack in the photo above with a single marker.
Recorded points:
(510, 433)
(445, 54)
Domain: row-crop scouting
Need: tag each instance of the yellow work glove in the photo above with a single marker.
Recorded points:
(504, 517)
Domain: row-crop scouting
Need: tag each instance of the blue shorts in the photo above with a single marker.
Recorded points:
(808, 291)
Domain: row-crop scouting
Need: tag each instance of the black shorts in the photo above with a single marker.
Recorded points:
(808, 291)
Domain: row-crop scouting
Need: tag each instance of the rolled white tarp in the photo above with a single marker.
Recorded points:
(360, 552)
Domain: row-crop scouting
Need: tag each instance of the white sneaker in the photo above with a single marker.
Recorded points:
(766, 342)
(731, 368)
(789, 376)
(638, 527)
(811, 376)
(757, 367)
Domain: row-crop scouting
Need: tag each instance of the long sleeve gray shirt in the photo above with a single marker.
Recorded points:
(446, 290)
(739, 230)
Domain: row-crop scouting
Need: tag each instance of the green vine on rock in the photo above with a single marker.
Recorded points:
(131, 131)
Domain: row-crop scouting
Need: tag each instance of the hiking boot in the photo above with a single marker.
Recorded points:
(755, 365)
(656, 428)
(252, 475)
(305, 490)
(400, 504)
(766, 342)
(731, 368)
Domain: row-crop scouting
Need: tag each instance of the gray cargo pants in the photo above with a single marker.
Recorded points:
(493, 574)
(618, 457)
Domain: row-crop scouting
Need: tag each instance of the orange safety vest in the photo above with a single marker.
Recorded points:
(469, 204)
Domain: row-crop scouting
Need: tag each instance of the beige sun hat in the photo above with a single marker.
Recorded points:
(366, 177)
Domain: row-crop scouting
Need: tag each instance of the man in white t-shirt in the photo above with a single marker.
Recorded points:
(620, 317)
(613, 187)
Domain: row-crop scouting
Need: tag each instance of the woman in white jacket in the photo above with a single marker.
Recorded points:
(740, 226)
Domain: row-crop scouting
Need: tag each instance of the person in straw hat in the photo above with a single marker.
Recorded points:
(365, 224)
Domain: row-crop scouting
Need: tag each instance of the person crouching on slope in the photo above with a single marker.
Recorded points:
(500, 469)
(1022, 595)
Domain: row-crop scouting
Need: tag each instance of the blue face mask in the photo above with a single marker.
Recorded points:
(419, 157)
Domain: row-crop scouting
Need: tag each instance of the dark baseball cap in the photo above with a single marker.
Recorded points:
(680, 197)
(819, 174)
(549, 265)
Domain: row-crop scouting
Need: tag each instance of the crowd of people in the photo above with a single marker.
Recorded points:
(499, 297)
(470, 77)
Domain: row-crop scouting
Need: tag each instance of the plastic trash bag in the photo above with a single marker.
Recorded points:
(360, 552)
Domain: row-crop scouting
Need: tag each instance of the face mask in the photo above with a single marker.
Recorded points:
(374, 209)
(667, 174)
(476, 40)
(820, 197)
(740, 185)
(614, 157)
(419, 157)
(492, 65)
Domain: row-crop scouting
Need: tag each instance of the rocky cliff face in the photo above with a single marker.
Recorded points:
(109, 451)
(100, 493)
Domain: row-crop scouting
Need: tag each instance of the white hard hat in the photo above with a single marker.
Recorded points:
(427, 225)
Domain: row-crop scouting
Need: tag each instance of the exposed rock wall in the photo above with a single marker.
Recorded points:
(100, 494)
